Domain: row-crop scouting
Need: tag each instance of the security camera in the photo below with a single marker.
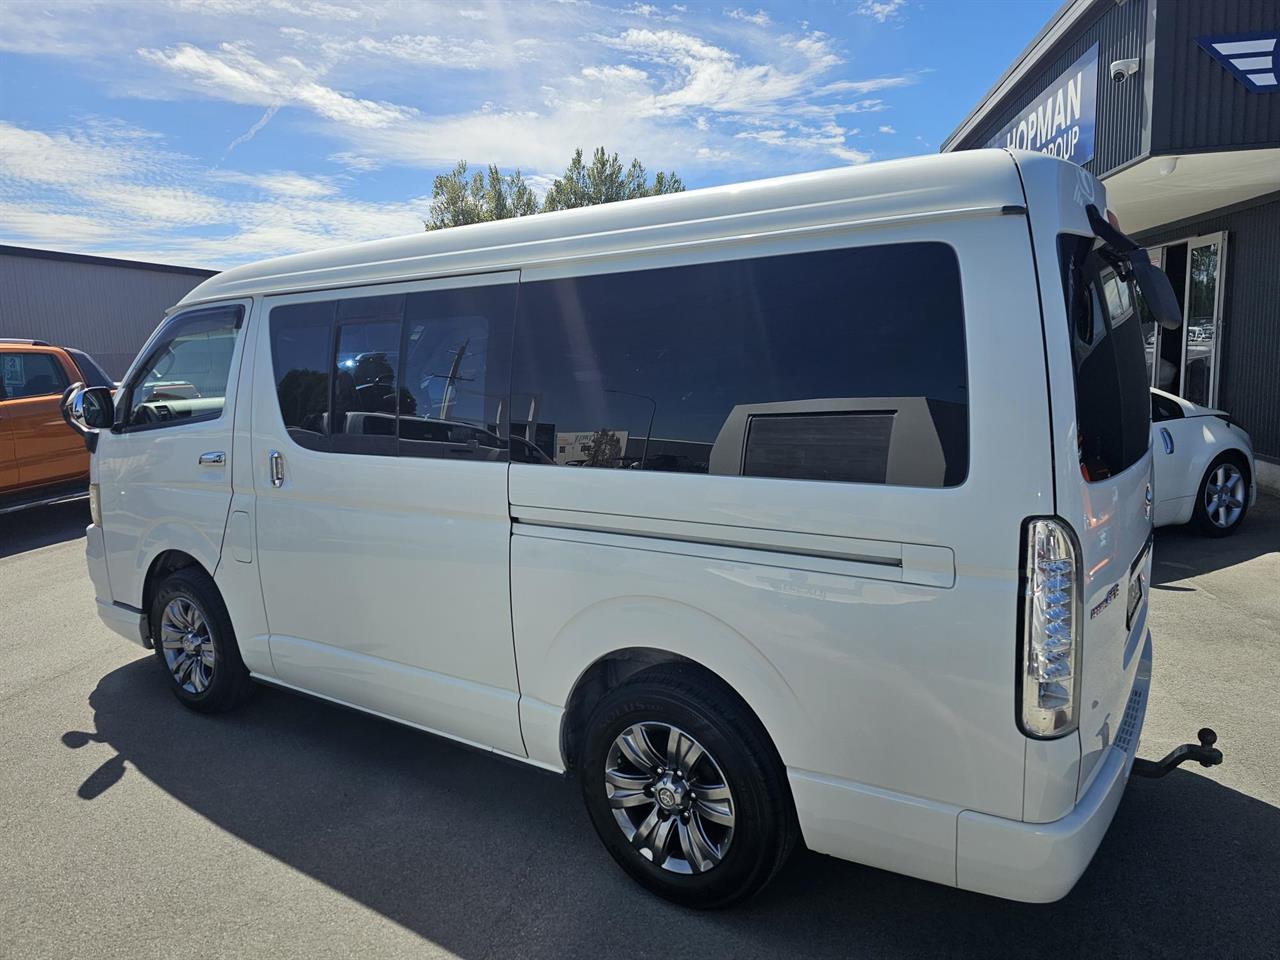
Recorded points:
(1120, 69)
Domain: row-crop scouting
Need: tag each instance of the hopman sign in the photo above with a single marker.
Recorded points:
(1060, 120)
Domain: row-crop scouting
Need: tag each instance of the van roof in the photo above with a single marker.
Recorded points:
(966, 182)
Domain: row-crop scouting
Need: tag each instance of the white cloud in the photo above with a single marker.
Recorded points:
(427, 50)
(759, 18)
(331, 93)
(651, 12)
(882, 10)
(118, 190)
(887, 128)
(235, 74)
(285, 183)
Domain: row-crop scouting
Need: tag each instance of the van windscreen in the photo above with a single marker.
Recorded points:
(1113, 406)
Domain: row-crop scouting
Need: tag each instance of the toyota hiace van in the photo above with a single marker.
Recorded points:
(811, 509)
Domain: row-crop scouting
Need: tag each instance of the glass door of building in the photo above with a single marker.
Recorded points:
(1185, 362)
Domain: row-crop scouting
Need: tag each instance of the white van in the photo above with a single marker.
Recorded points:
(816, 508)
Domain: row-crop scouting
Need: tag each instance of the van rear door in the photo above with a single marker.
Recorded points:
(1105, 485)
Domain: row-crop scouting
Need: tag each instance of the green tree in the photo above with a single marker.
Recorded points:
(458, 198)
(604, 181)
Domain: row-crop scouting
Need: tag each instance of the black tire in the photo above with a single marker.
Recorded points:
(764, 831)
(1200, 519)
(229, 685)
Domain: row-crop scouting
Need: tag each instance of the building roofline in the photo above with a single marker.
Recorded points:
(40, 254)
(1060, 24)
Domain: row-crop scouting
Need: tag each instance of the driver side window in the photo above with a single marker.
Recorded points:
(184, 379)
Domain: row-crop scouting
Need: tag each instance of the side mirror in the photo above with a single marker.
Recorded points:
(97, 408)
(87, 410)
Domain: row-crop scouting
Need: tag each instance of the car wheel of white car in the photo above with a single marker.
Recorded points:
(1223, 497)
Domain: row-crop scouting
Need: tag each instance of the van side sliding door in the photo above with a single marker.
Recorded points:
(382, 528)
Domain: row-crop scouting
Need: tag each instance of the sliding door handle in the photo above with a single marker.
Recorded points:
(277, 468)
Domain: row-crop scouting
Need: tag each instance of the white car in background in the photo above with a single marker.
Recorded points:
(1204, 472)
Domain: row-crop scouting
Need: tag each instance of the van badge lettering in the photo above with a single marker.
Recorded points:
(1105, 601)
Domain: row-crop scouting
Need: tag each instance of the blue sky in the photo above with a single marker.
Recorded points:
(214, 132)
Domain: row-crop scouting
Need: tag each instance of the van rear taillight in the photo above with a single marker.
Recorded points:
(1049, 665)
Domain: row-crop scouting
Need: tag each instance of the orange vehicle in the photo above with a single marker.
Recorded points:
(42, 460)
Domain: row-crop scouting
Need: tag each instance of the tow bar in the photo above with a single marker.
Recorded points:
(1203, 753)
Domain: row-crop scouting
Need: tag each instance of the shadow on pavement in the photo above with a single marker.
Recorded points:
(487, 857)
(42, 526)
(1181, 553)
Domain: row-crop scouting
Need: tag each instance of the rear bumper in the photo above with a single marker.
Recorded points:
(127, 621)
(1041, 862)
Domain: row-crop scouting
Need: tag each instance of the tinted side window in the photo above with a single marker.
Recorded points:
(456, 351)
(301, 348)
(1162, 408)
(422, 374)
(366, 394)
(31, 375)
(1113, 405)
(836, 365)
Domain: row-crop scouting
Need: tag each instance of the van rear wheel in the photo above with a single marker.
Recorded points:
(194, 642)
(685, 789)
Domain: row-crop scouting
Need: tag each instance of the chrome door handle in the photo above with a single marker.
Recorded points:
(214, 458)
(277, 468)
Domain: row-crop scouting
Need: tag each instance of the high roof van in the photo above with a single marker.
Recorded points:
(815, 508)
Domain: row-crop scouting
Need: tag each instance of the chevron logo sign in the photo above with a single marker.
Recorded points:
(1250, 56)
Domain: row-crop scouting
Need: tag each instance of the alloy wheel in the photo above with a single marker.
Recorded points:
(187, 645)
(1224, 496)
(669, 797)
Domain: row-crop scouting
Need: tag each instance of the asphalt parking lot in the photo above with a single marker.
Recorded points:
(132, 828)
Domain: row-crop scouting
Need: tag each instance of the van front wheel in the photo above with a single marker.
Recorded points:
(194, 642)
(685, 789)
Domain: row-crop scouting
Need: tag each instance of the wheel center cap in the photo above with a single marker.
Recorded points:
(190, 644)
(670, 793)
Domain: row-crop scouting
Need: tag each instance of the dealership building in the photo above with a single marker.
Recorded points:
(1175, 106)
(103, 306)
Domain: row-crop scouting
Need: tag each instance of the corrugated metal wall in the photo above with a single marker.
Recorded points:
(1250, 363)
(1199, 104)
(1120, 32)
(103, 309)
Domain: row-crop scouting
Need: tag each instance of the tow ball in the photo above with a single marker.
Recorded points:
(1203, 753)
